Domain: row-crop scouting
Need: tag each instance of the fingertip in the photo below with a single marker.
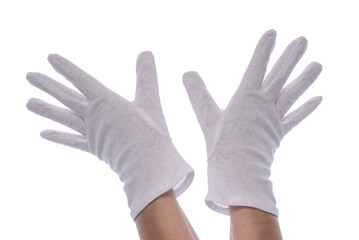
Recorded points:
(314, 69)
(302, 41)
(145, 55)
(30, 76)
(30, 104)
(58, 63)
(190, 76)
(319, 67)
(53, 57)
(318, 99)
(269, 36)
(44, 134)
(316, 65)
(47, 134)
(34, 78)
(315, 102)
(34, 103)
(271, 33)
(143, 58)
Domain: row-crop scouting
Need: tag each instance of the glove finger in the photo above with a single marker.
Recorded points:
(296, 88)
(85, 83)
(147, 85)
(279, 74)
(70, 98)
(204, 106)
(298, 115)
(147, 94)
(58, 114)
(256, 69)
(68, 139)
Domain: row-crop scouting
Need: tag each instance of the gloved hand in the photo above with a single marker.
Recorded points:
(242, 139)
(131, 137)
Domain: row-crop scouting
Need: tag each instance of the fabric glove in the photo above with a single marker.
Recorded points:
(242, 139)
(131, 137)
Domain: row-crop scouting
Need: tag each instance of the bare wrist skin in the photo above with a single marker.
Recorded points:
(164, 219)
(254, 224)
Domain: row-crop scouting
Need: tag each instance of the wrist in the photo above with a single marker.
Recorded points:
(239, 188)
(253, 223)
(146, 177)
(163, 219)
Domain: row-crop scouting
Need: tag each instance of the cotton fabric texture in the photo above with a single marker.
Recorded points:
(130, 136)
(242, 138)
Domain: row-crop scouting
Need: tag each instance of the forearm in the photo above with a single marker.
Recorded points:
(164, 219)
(254, 224)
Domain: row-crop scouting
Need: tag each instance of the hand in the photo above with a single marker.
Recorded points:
(131, 137)
(242, 139)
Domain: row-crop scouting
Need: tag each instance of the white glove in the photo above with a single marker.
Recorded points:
(242, 139)
(131, 137)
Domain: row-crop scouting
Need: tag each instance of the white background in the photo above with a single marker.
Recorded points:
(49, 191)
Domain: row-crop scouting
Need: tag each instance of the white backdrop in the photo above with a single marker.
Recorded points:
(49, 191)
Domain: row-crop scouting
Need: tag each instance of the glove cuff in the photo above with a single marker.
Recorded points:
(166, 170)
(241, 186)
